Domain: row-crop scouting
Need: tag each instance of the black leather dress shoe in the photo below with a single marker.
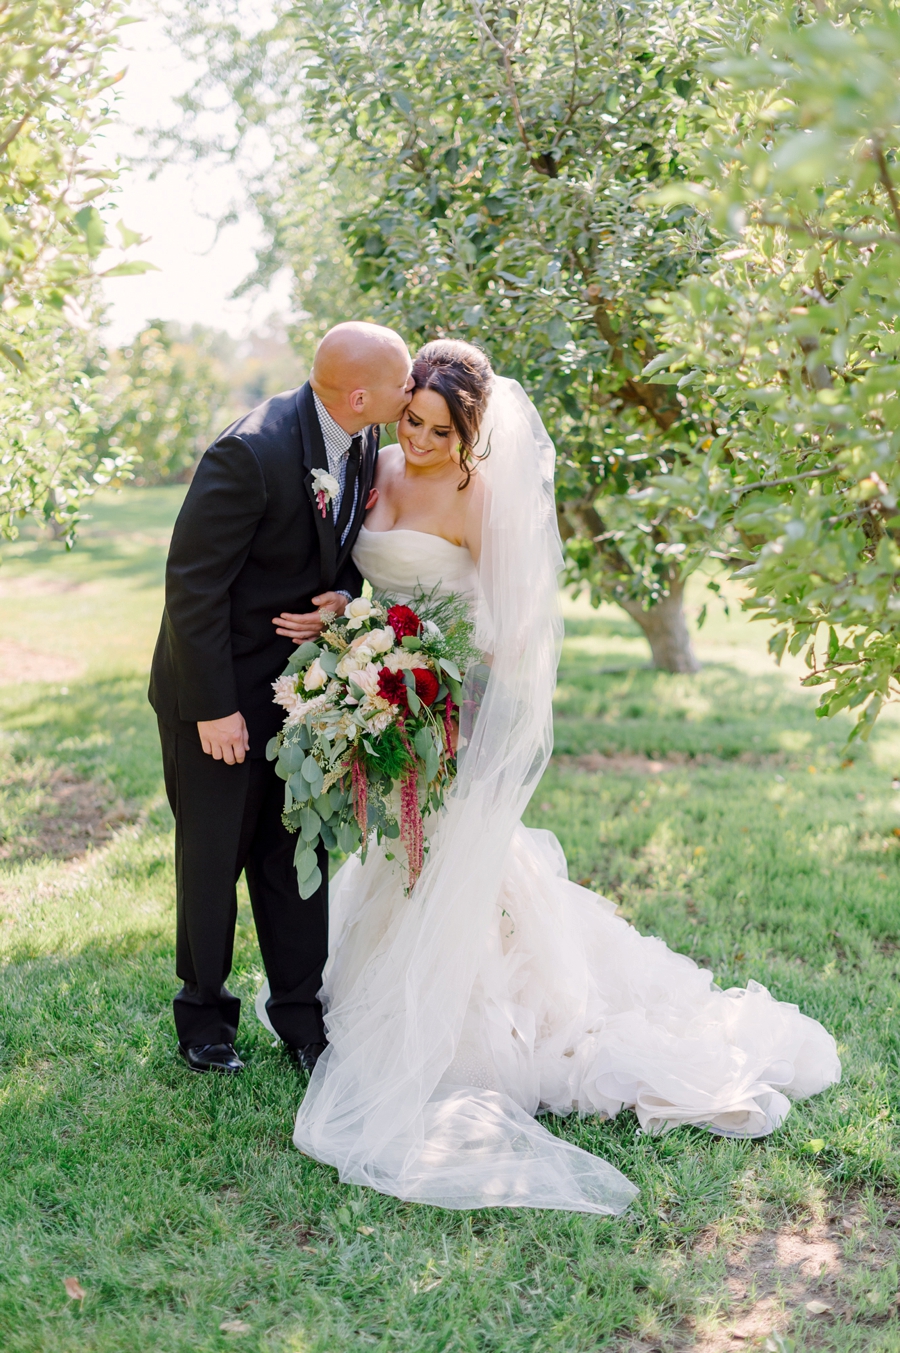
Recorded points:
(306, 1056)
(212, 1057)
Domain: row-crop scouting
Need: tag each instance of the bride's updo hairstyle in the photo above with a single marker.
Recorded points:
(463, 375)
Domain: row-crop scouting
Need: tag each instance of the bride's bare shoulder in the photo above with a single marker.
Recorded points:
(390, 461)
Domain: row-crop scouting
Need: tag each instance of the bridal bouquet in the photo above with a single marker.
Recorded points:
(366, 744)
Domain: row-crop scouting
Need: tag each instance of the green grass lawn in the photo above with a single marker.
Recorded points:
(715, 810)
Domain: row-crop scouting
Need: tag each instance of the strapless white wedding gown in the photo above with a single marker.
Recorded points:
(571, 1008)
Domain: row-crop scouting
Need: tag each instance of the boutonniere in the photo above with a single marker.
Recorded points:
(326, 489)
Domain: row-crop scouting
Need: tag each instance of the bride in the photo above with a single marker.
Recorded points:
(498, 988)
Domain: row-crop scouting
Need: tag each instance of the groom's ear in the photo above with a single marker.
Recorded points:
(357, 400)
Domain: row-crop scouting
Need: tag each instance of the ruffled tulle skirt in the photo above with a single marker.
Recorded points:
(573, 1009)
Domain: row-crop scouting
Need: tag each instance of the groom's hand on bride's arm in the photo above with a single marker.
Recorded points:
(310, 625)
(225, 739)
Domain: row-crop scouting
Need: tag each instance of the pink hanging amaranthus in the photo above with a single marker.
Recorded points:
(448, 725)
(361, 801)
(411, 833)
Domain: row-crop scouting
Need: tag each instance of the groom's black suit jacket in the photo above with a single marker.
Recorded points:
(249, 543)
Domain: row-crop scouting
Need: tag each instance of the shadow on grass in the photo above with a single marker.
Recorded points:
(717, 712)
(100, 729)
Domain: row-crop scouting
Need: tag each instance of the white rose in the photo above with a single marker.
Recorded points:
(431, 630)
(351, 662)
(358, 611)
(380, 641)
(316, 677)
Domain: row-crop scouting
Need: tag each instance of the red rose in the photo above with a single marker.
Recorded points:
(392, 686)
(403, 621)
(427, 685)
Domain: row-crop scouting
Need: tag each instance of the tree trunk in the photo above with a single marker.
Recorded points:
(666, 630)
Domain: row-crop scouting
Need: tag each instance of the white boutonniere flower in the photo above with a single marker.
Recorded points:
(326, 489)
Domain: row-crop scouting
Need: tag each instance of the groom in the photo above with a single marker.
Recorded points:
(254, 541)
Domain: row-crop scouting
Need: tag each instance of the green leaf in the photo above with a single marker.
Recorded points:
(450, 668)
(348, 836)
(272, 747)
(90, 223)
(311, 884)
(559, 332)
(423, 742)
(303, 656)
(13, 355)
(415, 704)
(411, 642)
(299, 786)
(310, 822)
(661, 362)
(311, 769)
(329, 661)
(291, 757)
(133, 268)
(304, 859)
(128, 237)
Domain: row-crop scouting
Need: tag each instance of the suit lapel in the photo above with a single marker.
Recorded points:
(315, 458)
(366, 477)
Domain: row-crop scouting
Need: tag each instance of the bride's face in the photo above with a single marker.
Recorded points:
(426, 432)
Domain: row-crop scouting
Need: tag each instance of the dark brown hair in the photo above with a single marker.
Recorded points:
(463, 375)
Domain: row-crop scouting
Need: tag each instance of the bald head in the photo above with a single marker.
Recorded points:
(361, 373)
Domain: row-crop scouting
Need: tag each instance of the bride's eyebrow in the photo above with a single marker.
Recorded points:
(441, 431)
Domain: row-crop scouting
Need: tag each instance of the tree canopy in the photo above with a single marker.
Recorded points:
(788, 338)
(55, 94)
(678, 226)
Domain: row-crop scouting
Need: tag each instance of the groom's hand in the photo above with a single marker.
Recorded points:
(225, 739)
(309, 625)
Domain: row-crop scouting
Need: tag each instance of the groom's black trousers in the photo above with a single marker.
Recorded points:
(228, 819)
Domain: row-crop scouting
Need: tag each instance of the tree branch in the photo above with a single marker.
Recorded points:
(887, 182)
(792, 479)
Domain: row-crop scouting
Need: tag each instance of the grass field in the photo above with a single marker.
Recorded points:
(715, 810)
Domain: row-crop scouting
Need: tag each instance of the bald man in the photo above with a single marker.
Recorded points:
(251, 550)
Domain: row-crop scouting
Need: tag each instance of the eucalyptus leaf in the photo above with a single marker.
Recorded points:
(304, 858)
(311, 884)
(310, 823)
(348, 837)
(423, 742)
(291, 757)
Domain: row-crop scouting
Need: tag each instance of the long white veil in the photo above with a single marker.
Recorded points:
(380, 1105)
